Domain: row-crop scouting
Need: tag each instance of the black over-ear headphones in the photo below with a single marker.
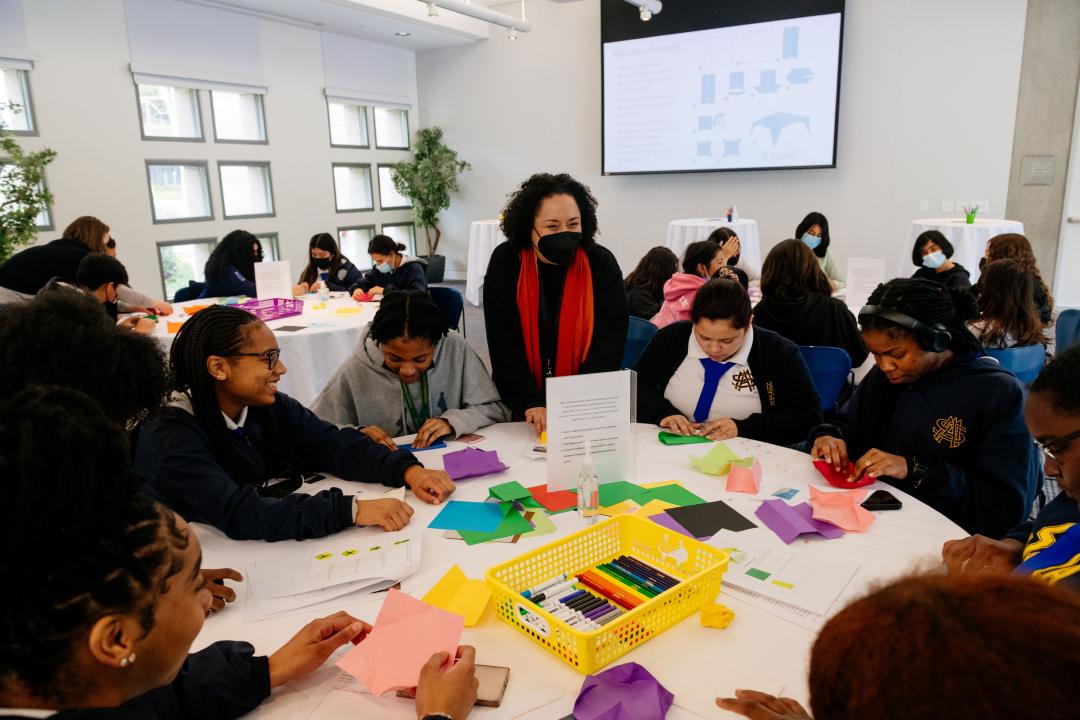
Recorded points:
(932, 338)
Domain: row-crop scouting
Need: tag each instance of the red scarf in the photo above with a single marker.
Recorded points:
(575, 315)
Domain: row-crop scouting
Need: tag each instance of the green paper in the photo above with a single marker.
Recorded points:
(509, 491)
(513, 524)
(757, 574)
(614, 493)
(542, 525)
(675, 494)
(673, 439)
(531, 503)
(715, 462)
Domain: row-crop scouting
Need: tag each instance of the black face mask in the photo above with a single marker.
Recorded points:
(321, 263)
(559, 247)
(112, 310)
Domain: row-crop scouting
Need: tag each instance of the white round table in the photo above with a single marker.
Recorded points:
(681, 233)
(758, 650)
(311, 354)
(968, 241)
(484, 236)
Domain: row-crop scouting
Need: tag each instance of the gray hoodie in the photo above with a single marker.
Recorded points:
(364, 392)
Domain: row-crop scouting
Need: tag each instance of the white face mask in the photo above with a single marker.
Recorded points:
(384, 267)
(934, 260)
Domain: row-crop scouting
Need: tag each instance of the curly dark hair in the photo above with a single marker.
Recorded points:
(411, 314)
(655, 269)
(811, 219)
(520, 211)
(63, 338)
(237, 250)
(77, 538)
(1060, 379)
(929, 303)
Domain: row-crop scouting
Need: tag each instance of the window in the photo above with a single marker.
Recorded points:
(391, 128)
(16, 113)
(353, 242)
(44, 219)
(348, 124)
(238, 117)
(179, 191)
(246, 190)
(271, 251)
(404, 233)
(352, 187)
(389, 197)
(182, 261)
(170, 113)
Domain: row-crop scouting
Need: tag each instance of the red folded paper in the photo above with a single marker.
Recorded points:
(840, 479)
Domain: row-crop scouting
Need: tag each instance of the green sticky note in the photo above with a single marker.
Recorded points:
(675, 494)
(758, 574)
(509, 491)
(512, 524)
(715, 462)
(614, 493)
(673, 439)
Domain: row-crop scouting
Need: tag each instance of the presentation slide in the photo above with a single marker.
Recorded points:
(755, 96)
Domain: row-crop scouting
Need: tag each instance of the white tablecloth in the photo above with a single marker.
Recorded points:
(968, 241)
(759, 650)
(311, 355)
(681, 233)
(484, 236)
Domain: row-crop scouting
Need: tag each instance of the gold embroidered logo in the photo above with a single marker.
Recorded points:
(771, 393)
(950, 430)
(743, 381)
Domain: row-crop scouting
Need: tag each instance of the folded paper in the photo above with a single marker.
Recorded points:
(716, 616)
(624, 692)
(715, 462)
(475, 516)
(458, 594)
(472, 462)
(789, 522)
(554, 502)
(670, 492)
(705, 520)
(509, 491)
(653, 507)
(433, 446)
(842, 509)
(668, 438)
(839, 478)
(513, 524)
(744, 476)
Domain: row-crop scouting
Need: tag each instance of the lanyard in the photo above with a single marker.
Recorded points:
(425, 409)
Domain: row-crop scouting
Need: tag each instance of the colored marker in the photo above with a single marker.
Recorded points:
(604, 620)
(644, 582)
(551, 601)
(644, 570)
(554, 591)
(586, 608)
(599, 611)
(621, 580)
(604, 588)
(543, 586)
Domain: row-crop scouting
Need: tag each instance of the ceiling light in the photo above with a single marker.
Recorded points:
(478, 12)
(403, 34)
(645, 15)
(432, 10)
(647, 8)
(511, 34)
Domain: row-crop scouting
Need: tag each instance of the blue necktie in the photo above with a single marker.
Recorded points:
(713, 372)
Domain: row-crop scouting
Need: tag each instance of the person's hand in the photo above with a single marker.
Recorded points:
(316, 641)
(730, 249)
(298, 290)
(377, 290)
(832, 450)
(161, 307)
(722, 429)
(762, 706)
(448, 689)
(980, 555)
(388, 513)
(357, 294)
(220, 593)
(679, 425)
(537, 417)
(379, 435)
(430, 431)
(877, 463)
(431, 486)
(140, 325)
(306, 287)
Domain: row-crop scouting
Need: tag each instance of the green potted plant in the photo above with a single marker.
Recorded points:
(23, 195)
(427, 180)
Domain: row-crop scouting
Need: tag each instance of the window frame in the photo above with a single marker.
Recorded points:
(368, 129)
(161, 265)
(269, 182)
(371, 184)
(33, 131)
(262, 114)
(205, 164)
(165, 138)
(403, 223)
(408, 131)
(379, 166)
(263, 237)
(372, 227)
(51, 225)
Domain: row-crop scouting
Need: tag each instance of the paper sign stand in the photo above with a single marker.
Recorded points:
(273, 280)
(863, 277)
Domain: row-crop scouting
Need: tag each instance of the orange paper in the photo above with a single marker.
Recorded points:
(842, 509)
(744, 479)
(174, 327)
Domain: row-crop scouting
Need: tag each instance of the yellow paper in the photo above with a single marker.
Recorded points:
(662, 483)
(626, 506)
(458, 594)
(348, 311)
(715, 462)
(716, 616)
(653, 507)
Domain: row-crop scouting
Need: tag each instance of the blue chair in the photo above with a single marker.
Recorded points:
(452, 306)
(1066, 330)
(1024, 361)
(193, 291)
(830, 368)
(638, 334)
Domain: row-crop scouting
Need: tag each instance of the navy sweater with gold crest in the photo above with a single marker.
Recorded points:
(962, 423)
(1059, 515)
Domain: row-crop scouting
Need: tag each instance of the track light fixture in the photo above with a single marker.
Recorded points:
(512, 24)
(647, 8)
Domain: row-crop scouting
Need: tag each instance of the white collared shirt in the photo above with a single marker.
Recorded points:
(737, 395)
(27, 712)
(230, 424)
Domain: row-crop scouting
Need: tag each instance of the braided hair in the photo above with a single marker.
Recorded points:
(410, 314)
(77, 538)
(222, 330)
(1060, 380)
(931, 304)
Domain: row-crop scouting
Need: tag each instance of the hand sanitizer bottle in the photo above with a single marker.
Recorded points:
(734, 213)
(588, 491)
(324, 289)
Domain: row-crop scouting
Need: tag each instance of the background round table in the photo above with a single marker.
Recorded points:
(484, 236)
(311, 354)
(758, 650)
(681, 233)
(968, 241)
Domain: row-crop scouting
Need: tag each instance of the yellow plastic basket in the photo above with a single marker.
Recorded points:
(696, 565)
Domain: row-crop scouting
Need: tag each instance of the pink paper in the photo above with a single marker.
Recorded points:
(840, 479)
(747, 480)
(471, 462)
(406, 634)
(841, 509)
(825, 529)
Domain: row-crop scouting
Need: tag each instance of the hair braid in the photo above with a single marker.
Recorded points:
(929, 303)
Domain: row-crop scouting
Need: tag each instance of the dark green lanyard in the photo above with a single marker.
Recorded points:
(425, 410)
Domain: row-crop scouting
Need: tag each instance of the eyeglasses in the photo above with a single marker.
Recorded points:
(1057, 446)
(270, 356)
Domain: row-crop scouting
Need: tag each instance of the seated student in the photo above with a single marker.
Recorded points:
(554, 302)
(814, 231)
(101, 277)
(228, 432)
(230, 269)
(1008, 315)
(1016, 247)
(937, 648)
(728, 241)
(105, 632)
(132, 300)
(932, 254)
(408, 375)
(701, 261)
(722, 378)
(797, 302)
(325, 257)
(391, 269)
(1047, 547)
(645, 285)
(23, 274)
(933, 418)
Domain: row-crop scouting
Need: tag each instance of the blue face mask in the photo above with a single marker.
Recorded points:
(812, 241)
(934, 260)
(384, 268)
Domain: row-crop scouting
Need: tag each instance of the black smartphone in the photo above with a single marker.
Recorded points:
(882, 500)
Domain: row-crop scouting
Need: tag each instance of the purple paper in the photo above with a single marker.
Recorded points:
(790, 522)
(624, 692)
(826, 529)
(472, 462)
(665, 520)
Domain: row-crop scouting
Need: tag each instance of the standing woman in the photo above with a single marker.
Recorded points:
(701, 261)
(325, 257)
(27, 271)
(645, 284)
(932, 254)
(814, 231)
(391, 269)
(1015, 246)
(554, 302)
(728, 241)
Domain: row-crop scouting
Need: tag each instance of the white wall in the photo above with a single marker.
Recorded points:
(86, 110)
(927, 109)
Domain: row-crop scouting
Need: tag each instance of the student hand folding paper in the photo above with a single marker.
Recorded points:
(840, 478)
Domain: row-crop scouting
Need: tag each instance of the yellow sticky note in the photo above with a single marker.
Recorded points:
(626, 506)
(653, 507)
(348, 311)
(458, 594)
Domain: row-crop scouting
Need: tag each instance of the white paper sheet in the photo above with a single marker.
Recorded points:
(863, 277)
(596, 408)
(273, 279)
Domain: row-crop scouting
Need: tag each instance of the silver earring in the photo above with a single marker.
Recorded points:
(129, 660)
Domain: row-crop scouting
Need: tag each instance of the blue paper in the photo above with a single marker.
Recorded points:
(472, 516)
(433, 446)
